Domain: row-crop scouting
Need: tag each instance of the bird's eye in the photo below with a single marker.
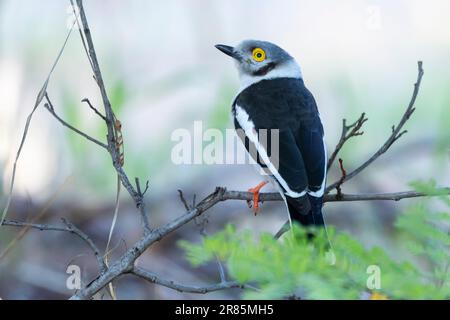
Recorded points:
(259, 54)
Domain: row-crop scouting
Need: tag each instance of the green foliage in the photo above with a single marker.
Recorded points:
(297, 266)
(427, 236)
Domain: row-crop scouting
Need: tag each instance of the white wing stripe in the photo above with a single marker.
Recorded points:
(249, 128)
(320, 192)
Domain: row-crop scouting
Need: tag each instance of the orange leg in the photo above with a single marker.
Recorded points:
(255, 192)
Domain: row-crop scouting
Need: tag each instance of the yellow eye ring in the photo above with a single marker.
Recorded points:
(259, 54)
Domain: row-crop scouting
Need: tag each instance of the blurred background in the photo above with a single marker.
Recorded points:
(162, 73)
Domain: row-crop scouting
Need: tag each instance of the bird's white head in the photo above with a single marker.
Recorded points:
(259, 60)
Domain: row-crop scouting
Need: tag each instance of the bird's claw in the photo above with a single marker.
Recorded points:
(255, 192)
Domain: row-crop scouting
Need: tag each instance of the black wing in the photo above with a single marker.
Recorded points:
(287, 106)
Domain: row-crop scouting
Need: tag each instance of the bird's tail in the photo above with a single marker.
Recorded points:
(306, 210)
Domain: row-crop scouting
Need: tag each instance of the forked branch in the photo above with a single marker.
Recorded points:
(348, 131)
(68, 227)
(397, 132)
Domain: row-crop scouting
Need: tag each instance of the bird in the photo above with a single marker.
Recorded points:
(273, 98)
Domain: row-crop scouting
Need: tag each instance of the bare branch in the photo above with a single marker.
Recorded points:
(72, 228)
(342, 179)
(396, 132)
(109, 114)
(116, 156)
(14, 223)
(86, 100)
(183, 200)
(83, 41)
(49, 106)
(396, 196)
(125, 263)
(138, 187)
(69, 227)
(154, 278)
(347, 132)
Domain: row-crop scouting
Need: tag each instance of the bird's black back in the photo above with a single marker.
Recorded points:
(279, 103)
(287, 105)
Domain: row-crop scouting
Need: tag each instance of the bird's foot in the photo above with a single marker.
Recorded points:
(255, 201)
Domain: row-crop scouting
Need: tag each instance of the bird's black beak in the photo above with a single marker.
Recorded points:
(229, 51)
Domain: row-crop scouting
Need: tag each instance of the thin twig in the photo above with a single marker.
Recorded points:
(347, 132)
(138, 187)
(86, 100)
(49, 106)
(154, 278)
(183, 200)
(69, 227)
(72, 228)
(342, 179)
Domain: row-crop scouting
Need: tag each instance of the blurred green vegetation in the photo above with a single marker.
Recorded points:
(296, 265)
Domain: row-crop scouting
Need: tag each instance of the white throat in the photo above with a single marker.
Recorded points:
(289, 69)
